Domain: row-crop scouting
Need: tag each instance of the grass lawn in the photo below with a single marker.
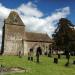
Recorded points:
(45, 67)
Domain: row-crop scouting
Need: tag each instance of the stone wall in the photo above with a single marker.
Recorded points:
(27, 45)
(13, 41)
(13, 47)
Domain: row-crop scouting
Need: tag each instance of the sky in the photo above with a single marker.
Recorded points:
(38, 15)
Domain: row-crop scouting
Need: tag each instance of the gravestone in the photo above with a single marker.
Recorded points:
(67, 64)
(74, 62)
(56, 60)
(58, 56)
(30, 55)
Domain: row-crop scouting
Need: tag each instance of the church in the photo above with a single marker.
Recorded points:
(15, 38)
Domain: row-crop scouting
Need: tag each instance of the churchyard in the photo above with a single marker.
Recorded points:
(45, 67)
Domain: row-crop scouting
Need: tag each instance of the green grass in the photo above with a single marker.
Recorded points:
(45, 67)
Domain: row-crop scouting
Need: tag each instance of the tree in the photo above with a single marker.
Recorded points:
(64, 37)
(62, 34)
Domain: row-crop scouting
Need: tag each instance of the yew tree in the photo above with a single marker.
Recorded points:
(64, 35)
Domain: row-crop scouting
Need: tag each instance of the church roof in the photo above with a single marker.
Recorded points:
(37, 37)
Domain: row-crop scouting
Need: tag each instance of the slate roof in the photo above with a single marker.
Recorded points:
(37, 37)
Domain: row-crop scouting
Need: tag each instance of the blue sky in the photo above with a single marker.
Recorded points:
(46, 6)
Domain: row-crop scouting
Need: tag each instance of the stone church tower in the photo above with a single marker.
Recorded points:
(13, 33)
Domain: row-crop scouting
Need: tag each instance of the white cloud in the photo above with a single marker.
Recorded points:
(32, 17)
(30, 9)
(4, 11)
(47, 24)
